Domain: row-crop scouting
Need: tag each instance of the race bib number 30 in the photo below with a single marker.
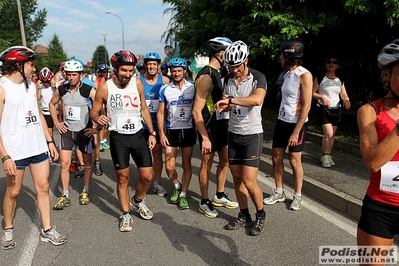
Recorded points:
(127, 125)
(28, 119)
(390, 177)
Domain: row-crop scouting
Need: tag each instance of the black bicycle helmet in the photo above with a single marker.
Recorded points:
(219, 44)
(292, 49)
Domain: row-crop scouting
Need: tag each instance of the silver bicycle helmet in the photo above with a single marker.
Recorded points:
(389, 55)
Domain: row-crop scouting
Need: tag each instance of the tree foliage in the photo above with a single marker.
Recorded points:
(34, 23)
(354, 30)
(100, 56)
(56, 54)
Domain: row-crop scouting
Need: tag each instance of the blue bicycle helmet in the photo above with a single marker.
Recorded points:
(103, 67)
(77, 60)
(164, 66)
(177, 62)
(152, 56)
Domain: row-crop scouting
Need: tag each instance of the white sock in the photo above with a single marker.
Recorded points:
(298, 194)
(279, 190)
(177, 185)
(182, 194)
(66, 193)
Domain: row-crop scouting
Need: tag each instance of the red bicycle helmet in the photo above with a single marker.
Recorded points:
(123, 57)
(45, 75)
(17, 53)
(60, 65)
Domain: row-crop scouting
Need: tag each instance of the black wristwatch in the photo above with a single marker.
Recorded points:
(50, 141)
(230, 98)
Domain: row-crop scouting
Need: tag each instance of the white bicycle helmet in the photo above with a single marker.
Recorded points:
(236, 53)
(389, 55)
(73, 66)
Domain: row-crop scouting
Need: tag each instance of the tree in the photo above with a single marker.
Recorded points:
(34, 22)
(56, 54)
(355, 30)
(100, 56)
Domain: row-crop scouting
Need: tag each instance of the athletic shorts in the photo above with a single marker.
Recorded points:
(124, 145)
(218, 135)
(23, 163)
(282, 133)
(245, 149)
(49, 121)
(147, 135)
(379, 219)
(70, 138)
(332, 117)
(181, 137)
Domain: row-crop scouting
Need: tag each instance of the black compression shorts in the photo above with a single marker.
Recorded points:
(245, 149)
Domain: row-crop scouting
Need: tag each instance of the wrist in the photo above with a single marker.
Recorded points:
(231, 99)
(153, 133)
(5, 158)
(50, 141)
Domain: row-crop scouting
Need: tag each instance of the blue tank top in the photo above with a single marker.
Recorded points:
(151, 93)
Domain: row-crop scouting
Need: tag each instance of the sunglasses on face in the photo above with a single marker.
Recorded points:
(332, 62)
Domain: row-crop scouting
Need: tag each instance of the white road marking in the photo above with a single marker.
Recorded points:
(32, 238)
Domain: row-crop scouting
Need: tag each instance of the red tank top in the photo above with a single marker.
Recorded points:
(384, 125)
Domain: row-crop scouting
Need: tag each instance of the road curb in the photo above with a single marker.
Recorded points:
(329, 196)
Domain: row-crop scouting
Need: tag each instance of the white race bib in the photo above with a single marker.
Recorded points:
(28, 119)
(239, 111)
(127, 125)
(390, 177)
(224, 115)
(181, 112)
(72, 113)
(152, 105)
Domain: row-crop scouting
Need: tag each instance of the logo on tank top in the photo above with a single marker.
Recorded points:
(116, 102)
(151, 95)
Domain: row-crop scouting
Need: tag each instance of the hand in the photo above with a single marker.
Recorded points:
(164, 140)
(53, 152)
(152, 141)
(103, 120)
(222, 106)
(9, 167)
(88, 132)
(326, 102)
(293, 140)
(206, 146)
(61, 127)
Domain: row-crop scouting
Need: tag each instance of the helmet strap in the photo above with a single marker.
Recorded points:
(221, 62)
(22, 71)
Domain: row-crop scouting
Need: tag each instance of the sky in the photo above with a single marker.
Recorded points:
(82, 24)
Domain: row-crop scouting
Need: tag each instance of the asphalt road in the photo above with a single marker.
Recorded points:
(173, 236)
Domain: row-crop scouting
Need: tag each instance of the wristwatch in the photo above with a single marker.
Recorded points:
(153, 133)
(230, 98)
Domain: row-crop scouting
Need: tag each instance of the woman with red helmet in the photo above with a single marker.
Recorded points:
(45, 91)
(23, 142)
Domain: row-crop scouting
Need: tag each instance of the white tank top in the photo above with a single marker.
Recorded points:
(21, 128)
(124, 108)
(47, 94)
(330, 88)
(291, 102)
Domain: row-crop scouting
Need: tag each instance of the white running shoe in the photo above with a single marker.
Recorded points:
(224, 202)
(274, 198)
(207, 210)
